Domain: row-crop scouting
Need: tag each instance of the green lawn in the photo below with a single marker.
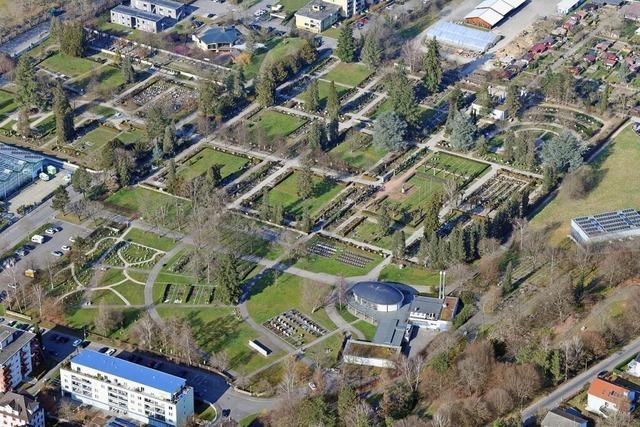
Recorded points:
(331, 265)
(147, 238)
(368, 232)
(112, 276)
(285, 194)
(84, 317)
(7, 103)
(132, 199)
(618, 188)
(273, 51)
(366, 328)
(418, 190)
(323, 92)
(217, 329)
(358, 151)
(202, 161)
(133, 292)
(47, 125)
(278, 125)
(410, 276)
(458, 165)
(270, 297)
(106, 79)
(96, 139)
(326, 352)
(103, 110)
(349, 74)
(132, 136)
(68, 65)
(291, 6)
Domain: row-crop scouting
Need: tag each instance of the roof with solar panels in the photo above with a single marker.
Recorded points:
(606, 226)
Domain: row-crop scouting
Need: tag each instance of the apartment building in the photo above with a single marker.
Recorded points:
(168, 8)
(348, 8)
(127, 389)
(317, 16)
(137, 19)
(18, 410)
(19, 354)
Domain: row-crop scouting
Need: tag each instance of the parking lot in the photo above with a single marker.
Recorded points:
(40, 255)
(36, 191)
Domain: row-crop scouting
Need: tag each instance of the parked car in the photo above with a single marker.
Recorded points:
(72, 239)
(77, 343)
(65, 248)
(103, 350)
(57, 254)
(50, 231)
(111, 352)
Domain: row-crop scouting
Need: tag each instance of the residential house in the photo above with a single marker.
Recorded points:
(217, 38)
(610, 60)
(560, 417)
(605, 396)
(632, 11)
(633, 367)
(19, 354)
(18, 410)
(137, 19)
(317, 16)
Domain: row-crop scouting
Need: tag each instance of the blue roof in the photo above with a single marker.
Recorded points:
(378, 292)
(220, 35)
(462, 37)
(130, 371)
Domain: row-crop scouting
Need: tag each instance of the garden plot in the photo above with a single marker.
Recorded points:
(358, 151)
(106, 79)
(334, 257)
(68, 65)
(187, 294)
(323, 92)
(494, 192)
(277, 125)
(295, 328)
(176, 103)
(151, 92)
(418, 190)
(367, 230)
(453, 167)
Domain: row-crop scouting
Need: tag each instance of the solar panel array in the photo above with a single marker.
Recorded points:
(609, 222)
(13, 160)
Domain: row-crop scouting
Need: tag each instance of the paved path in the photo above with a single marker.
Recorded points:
(341, 323)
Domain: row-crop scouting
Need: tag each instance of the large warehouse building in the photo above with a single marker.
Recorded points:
(462, 37)
(17, 168)
(605, 227)
(490, 13)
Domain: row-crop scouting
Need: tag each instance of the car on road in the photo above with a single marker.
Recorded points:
(111, 352)
(65, 248)
(50, 231)
(22, 252)
(57, 254)
(103, 350)
(211, 15)
(77, 343)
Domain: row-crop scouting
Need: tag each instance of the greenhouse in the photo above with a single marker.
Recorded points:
(17, 168)
(462, 37)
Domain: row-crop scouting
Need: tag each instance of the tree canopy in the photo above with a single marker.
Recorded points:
(563, 152)
(390, 131)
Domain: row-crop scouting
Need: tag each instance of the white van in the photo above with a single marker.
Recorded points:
(36, 238)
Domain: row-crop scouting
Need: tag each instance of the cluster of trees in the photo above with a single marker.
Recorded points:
(70, 36)
(220, 101)
(278, 70)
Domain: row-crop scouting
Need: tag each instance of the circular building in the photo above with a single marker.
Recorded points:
(378, 296)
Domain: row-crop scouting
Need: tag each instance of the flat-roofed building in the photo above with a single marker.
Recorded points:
(348, 8)
(17, 168)
(128, 389)
(19, 354)
(137, 19)
(566, 6)
(17, 410)
(217, 38)
(490, 13)
(317, 16)
(605, 227)
(168, 8)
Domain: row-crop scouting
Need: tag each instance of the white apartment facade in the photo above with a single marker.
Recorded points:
(17, 410)
(128, 389)
(17, 351)
(168, 8)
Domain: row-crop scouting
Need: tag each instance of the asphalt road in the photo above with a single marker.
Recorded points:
(574, 385)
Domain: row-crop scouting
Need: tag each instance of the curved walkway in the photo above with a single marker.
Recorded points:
(153, 275)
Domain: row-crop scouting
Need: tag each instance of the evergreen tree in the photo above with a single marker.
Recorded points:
(128, 73)
(24, 127)
(156, 155)
(507, 279)
(513, 101)
(399, 244)
(156, 123)
(60, 199)
(172, 177)
(384, 220)
(431, 222)
(266, 88)
(278, 214)
(390, 131)
(265, 208)
(482, 146)
(434, 251)
(27, 92)
(555, 367)
(530, 159)
(332, 130)
(483, 99)
(603, 101)
(214, 176)
(169, 140)
(316, 137)
(371, 51)
(347, 399)
(563, 152)
(81, 180)
(306, 222)
(333, 105)
(312, 97)
(64, 116)
(402, 96)
(423, 251)
(454, 105)
(209, 96)
(432, 66)
(72, 39)
(304, 183)
(228, 280)
(549, 177)
(346, 49)
(463, 133)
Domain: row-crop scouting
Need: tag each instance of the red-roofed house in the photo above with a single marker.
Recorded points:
(605, 397)
(610, 60)
(538, 48)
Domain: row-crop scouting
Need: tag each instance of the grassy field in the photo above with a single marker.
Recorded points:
(323, 92)
(103, 110)
(326, 352)
(47, 125)
(84, 317)
(618, 175)
(7, 103)
(410, 276)
(132, 199)
(96, 139)
(133, 292)
(131, 136)
(278, 124)
(457, 165)
(418, 190)
(203, 160)
(285, 194)
(106, 79)
(366, 328)
(150, 239)
(274, 50)
(349, 74)
(358, 151)
(292, 5)
(217, 329)
(368, 232)
(271, 296)
(68, 65)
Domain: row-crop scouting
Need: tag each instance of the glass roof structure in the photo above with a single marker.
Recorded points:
(462, 37)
